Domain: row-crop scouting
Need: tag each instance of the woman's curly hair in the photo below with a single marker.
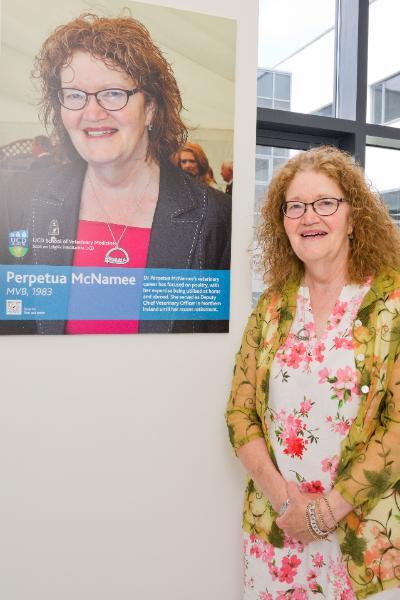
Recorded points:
(123, 44)
(375, 240)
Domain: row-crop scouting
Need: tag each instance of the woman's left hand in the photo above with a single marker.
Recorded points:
(293, 521)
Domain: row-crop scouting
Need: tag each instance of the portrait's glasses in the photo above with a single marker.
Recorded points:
(324, 207)
(110, 99)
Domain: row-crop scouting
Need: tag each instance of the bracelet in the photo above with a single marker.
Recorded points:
(321, 517)
(312, 524)
(330, 511)
(283, 507)
(310, 530)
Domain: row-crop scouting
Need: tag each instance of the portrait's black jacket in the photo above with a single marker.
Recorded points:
(191, 230)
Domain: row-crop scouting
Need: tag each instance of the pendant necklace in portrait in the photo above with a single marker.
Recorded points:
(118, 255)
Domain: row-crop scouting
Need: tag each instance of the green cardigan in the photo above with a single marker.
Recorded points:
(369, 467)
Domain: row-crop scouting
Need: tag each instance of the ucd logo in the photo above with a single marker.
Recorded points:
(18, 243)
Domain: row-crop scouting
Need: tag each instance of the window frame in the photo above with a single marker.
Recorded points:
(349, 129)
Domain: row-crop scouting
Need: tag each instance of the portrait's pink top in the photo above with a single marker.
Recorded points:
(135, 241)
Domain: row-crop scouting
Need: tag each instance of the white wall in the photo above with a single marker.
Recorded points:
(117, 481)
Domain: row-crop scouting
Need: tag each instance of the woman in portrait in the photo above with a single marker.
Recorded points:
(192, 159)
(114, 105)
(314, 413)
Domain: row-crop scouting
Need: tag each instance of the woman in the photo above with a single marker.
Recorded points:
(115, 107)
(192, 159)
(314, 413)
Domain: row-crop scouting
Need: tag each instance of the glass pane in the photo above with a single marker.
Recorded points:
(392, 99)
(282, 86)
(262, 169)
(264, 84)
(297, 45)
(325, 111)
(383, 100)
(382, 169)
(282, 105)
(264, 102)
(376, 98)
(268, 159)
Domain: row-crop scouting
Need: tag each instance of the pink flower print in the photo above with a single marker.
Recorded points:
(273, 570)
(289, 568)
(337, 575)
(294, 446)
(317, 560)
(343, 342)
(299, 594)
(293, 544)
(346, 380)
(296, 593)
(312, 487)
(318, 351)
(255, 550)
(324, 375)
(305, 407)
(339, 309)
(330, 465)
(311, 575)
(292, 353)
(269, 552)
(339, 424)
(312, 582)
(298, 351)
(266, 596)
(292, 426)
(292, 432)
(262, 550)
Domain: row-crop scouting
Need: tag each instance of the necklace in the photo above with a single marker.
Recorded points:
(303, 334)
(118, 255)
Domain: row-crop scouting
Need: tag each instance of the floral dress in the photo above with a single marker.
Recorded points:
(313, 402)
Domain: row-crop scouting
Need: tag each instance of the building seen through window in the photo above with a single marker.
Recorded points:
(386, 101)
(331, 59)
(273, 89)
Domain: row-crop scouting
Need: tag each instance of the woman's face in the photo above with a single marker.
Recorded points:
(104, 137)
(312, 237)
(188, 162)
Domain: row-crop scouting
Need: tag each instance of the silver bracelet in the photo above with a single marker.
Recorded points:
(284, 506)
(312, 520)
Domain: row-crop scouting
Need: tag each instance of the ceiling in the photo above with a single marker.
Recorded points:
(200, 48)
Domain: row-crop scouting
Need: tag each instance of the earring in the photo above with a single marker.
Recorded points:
(150, 127)
(350, 236)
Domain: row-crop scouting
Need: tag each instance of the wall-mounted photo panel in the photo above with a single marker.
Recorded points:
(116, 142)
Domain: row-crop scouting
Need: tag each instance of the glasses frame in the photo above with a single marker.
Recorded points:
(128, 93)
(307, 204)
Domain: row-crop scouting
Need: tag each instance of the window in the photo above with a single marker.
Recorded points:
(268, 159)
(273, 89)
(386, 100)
(342, 67)
(324, 111)
(392, 199)
(297, 38)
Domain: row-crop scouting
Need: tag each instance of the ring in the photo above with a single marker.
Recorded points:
(283, 507)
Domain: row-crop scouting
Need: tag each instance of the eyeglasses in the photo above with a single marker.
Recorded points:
(110, 99)
(324, 207)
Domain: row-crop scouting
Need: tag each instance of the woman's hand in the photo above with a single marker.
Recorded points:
(293, 521)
